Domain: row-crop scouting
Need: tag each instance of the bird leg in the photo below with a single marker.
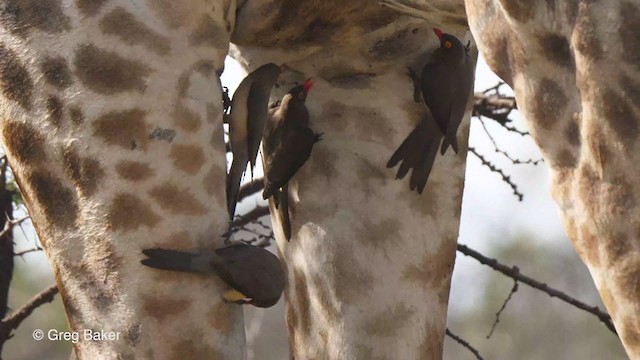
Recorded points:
(416, 84)
(317, 137)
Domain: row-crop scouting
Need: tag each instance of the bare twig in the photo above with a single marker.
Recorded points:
(8, 226)
(24, 252)
(464, 343)
(504, 306)
(492, 167)
(500, 151)
(250, 188)
(251, 216)
(11, 322)
(514, 273)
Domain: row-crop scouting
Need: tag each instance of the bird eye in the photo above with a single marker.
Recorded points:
(301, 95)
(448, 44)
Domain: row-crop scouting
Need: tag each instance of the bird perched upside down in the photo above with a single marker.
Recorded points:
(254, 274)
(446, 83)
(287, 145)
(246, 125)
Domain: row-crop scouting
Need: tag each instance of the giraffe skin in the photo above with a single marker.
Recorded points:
(575, 70)
(112, 121)
(369, 262)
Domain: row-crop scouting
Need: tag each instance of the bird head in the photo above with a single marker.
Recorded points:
(450, 45)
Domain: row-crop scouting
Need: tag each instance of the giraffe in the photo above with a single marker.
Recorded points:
(112, 120)
(369, 263)
(575, 70)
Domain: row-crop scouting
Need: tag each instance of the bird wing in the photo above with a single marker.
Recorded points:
(292, 152)
(251, 270)
(464, 90)
(257, 108)
(438, 92)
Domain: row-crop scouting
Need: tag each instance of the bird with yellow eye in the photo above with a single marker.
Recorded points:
(446, 84)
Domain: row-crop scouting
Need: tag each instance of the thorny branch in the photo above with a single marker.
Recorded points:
(514, 273)
(494, 169)
(504, 306)
(11, 322)
(464, 343)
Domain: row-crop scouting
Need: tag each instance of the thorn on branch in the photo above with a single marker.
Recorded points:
(504, 305)
(493, 168)
(500, 151)
(514, 273)
(464, 343)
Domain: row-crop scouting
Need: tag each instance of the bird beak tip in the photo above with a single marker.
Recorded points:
(308, 84)
(438, 32)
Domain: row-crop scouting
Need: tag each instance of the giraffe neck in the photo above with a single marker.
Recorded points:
(111, 118)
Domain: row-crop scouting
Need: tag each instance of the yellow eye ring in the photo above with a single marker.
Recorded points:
(301, 95)
(448, 44)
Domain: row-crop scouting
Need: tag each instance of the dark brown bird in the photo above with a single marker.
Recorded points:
(255, 275)
(246, 125)
(287, 145)
(446, 83)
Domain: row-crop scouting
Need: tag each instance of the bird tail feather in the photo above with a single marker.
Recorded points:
(171, 260)
(233, 185)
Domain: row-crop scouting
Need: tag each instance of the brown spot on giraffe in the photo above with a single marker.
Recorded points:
(519, 10)
(507, 57)
(619, 115)
(334, 115)
(76, 115)
(330, 309)
(349, 81)
(388, 322)
(194, 348)
(425, 204)
(548, 103)
(56, 201)
(355, 281)
(631, 88)
(186, 119)
(564, 158)
(393, 46)
(177, 201)
(134, 170)
(90, 7)
(585, 34)
(629, 34)
(15, 80)
(631, 335)
(629, 278)
(302, 302)
(434, 272)
(188, 158)
(214, 180)
(85, 172)
(381, 234)
(589, 250)
(108, 73)
(55, 110)
(122, 24)
(96, 291)
(432, 346)
(162, 307)
(20, 16)
(24, 142)
(616, 245)
(572, 131)
(128, 212)
(222, 317)
(557, 50)
(208, 33)
(56, 72)
(369, 176)
(123, 128)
